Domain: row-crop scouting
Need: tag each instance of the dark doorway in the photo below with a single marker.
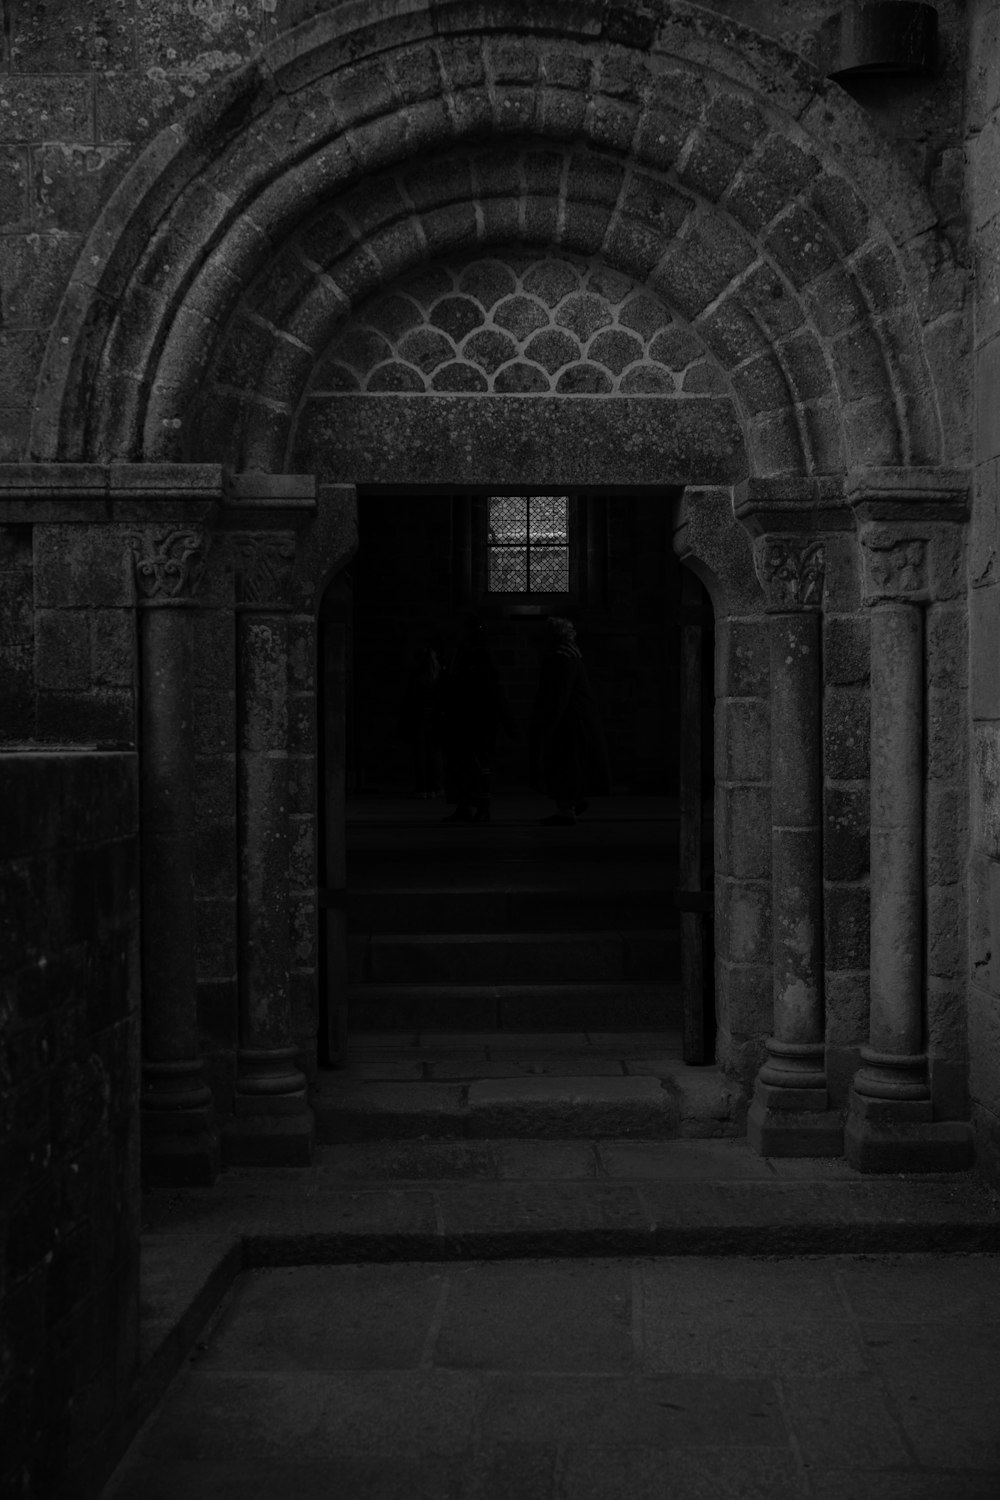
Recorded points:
(512, 928)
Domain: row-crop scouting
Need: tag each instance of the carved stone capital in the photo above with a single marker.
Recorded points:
(894, 564)
(169, 563)
(262, 563)
(791, 571)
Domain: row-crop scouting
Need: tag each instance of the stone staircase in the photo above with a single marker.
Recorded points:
(513, 926)
(512, 979)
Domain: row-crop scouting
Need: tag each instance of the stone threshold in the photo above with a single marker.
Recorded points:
(524, 1085)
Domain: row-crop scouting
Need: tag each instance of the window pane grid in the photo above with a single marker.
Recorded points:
(528, 547)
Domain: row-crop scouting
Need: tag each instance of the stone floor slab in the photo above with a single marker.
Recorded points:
(542, 1315)
(787, 1291)
(934, 1484)
(344, 1317)
(426, 1477)
(689, 1473)
(667, 1411)
(844, 1422)
(739, 1346)
(913, 1289)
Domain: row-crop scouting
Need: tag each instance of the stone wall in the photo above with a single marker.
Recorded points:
(69, 1078)
(983, 156)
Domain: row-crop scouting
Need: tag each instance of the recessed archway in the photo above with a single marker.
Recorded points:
(744, 196)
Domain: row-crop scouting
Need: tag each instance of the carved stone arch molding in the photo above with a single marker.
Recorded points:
(685, 151)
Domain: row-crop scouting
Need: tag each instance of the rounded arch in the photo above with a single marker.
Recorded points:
(688, 152)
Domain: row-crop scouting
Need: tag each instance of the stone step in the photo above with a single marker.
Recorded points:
(511, 957)
(619, 1006)
(599, 904)
(549, 1107)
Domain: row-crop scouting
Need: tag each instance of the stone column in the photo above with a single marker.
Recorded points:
(790, 1114)
(890, 1123)
(179, 1139)
(273, 1123)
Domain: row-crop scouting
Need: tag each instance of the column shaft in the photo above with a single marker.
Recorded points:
(178, 1133)
(796, 1047)
(269, 1079)
(896, 1067)
(790, 1113)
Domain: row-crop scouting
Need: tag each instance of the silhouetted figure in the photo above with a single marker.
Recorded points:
(420, 721)
(473, 712)
(570, 753)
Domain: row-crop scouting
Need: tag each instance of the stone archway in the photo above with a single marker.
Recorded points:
(749, 198)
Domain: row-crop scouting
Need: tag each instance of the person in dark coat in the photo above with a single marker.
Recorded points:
(474, 710)
(570, 751)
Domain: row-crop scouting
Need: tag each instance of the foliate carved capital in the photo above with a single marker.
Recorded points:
(791, 571)
(169, 564)
(263, 562)
(895, 566)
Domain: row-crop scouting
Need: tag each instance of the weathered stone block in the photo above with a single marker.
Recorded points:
(984, 923)
(747, 935)
(872, 431)
(987, 378)
(946, 930)
(947, 735)
(846, 832)
(947, 829)
(847, 1003)
(39, 108)
(302, 851)
(846, 732)
(743, 660)
(610, 124)
(215, 853)
(216, 937)
(745, 742)
(748, 832)
(15, 210)
(846, 647)
(62, 649)
(711, 165)
(745, 1000)
(104, 715)
(847, 926)
(115, 647)
(34, 270)
(984, 1048)
(984, 623)
(214, 722)
(72, 182)
(779, 173)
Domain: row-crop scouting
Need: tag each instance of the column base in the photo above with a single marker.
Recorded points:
(794, 1122)
(179, 1148)
(270, 1140)
(901, 1135)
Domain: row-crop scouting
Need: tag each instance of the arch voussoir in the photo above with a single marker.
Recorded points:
(704, 160)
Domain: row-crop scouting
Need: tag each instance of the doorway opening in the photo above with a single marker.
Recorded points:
(459, 952)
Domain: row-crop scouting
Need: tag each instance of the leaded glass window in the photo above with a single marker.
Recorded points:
(528, 547)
